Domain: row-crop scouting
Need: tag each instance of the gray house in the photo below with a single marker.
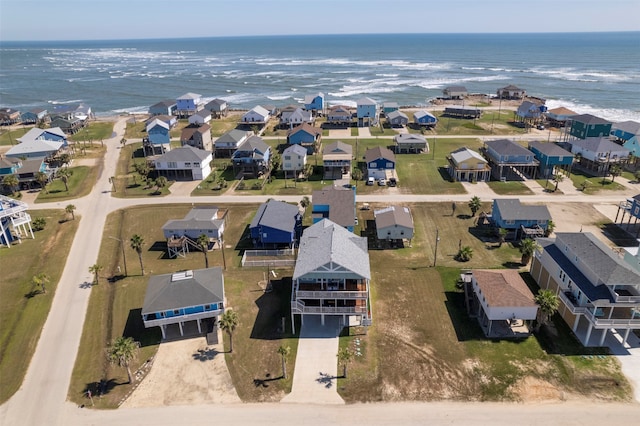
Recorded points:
(227, 144)
(510, 160)
(407, 143)
(218, 107)
(454, 92)
(183, 298)
(394, 223)
(397, 119)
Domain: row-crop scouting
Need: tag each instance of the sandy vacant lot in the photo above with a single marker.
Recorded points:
(186, 372)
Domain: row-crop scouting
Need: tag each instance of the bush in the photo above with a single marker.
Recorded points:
(39, 223)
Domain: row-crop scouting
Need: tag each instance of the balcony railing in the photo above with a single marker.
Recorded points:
(573, 308)
(298, 307)
(628, 299)
(613, 322)
(302, 294)
(182, 318)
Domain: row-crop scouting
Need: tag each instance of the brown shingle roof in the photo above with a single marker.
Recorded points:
(503, 287)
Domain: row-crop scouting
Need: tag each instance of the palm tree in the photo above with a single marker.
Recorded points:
(122, 352)
(344, 358)
(550, 227)
(95, 270)
(548, 303)
(636, 175)
(284, 351)
(203, 243)
(69, 209)
(64, 175)
(123, 142)
(305, 202)
(475, 204)
(557, 178)
(357, 174)
(40, 280)
(136, 243)
(228, 323)
(65, 159)
(464, 254)
(160, 183)
(11, 183)
(585, 184)
(42, 178)
(528, 246)
(615, 171)
(502, 234)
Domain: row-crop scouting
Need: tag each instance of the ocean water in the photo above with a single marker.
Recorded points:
(595, 73)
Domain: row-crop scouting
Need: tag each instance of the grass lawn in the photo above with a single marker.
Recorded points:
(490, 123)
(128, 182)
(114, 308)
(423, 346)
(80, 184)
(596, 183)
(23, 311)
(549, 186)
(8, 137)
(509, 188)
(95, 131)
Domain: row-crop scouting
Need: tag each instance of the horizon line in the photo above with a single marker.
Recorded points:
(317, 35)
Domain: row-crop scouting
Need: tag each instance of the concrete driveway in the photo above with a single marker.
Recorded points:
(315, 375)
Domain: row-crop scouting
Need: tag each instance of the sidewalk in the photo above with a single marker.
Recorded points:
(315, 375)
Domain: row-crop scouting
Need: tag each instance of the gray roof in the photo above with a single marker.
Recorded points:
(327, 242)
(463, 154)
(508, 147)
(512, 209)
(455, 89)
(277, 215)
(389, 105)
(410, 138)
(184, 153)
(200, 217)
(34, 146)
(589, 119)
(511, 88)
(341, 202)
(215, 103)
(366, 101)
(396, 114)
(379, 152)
(393, 215)
(295, 149)
(337, 147)
(600, 144)
(166, 103)
(550, 149)
(632, 127)
(182, 290)
(233, 136)
(254, 143)
(190, 96)
(598, 257)
(36, 133)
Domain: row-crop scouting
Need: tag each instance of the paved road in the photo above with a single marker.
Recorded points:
(41, 398)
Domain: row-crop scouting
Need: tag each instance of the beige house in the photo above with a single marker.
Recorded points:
(466, 165)
(394, 223)
(336, 160)
(197, 137)
(294, 158)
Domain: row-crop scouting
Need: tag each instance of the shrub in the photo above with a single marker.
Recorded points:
(39, 223)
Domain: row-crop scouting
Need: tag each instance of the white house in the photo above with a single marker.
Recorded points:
(201, 117)
(257, 115)
(186, 163)
(501, 300)
(294, 158)
(295, 117)
(394, 223)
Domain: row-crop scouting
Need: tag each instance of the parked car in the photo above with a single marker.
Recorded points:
(392, 182)
(371, 180)
(382, 182)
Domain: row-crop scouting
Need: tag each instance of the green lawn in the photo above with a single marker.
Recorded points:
(423, 346)
(596, 183)
(509, 188)
(23, 311)
(491, 123)
(9, 137)
(130, 184)
(114, 308)
(80, 184)
(95, 131)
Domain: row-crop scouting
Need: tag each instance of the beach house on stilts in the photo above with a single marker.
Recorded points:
(14, 221)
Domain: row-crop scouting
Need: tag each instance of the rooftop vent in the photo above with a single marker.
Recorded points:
(183, 275)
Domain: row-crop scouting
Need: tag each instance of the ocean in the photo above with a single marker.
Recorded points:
(596, 73)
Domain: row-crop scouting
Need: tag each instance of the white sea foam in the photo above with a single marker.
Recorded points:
(612, 114)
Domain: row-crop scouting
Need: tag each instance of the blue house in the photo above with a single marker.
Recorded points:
(34, 116)
(166, 107)
(424, 118)
(522, 221)
(53, 134)
(550, 156)
(388, 107)
(510, 160)
(314, 103)
(276, 223)
(530, 113)
(588, 126)
(381, 162)
(306, 135)
(628, 132)
(336, 203)
(188, 104)
(158, 137)
(367, 112)
(183, 298)
(9, 166)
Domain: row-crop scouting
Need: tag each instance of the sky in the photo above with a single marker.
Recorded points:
(28, 20)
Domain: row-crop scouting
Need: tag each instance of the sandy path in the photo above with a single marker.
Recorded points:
(185, 372)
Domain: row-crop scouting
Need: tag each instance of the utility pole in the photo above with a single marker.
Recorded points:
(435, 254)
(124, 259)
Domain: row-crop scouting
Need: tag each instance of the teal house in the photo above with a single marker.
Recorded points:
(184, 300)
(550, 156)
(588, 126)
(628, 133)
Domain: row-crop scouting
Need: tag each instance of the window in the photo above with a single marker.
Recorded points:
(196, 164)
(287, 157)
(176, 312)
(510, 222)
(389, 165)
(172, 165)
(187, 164)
